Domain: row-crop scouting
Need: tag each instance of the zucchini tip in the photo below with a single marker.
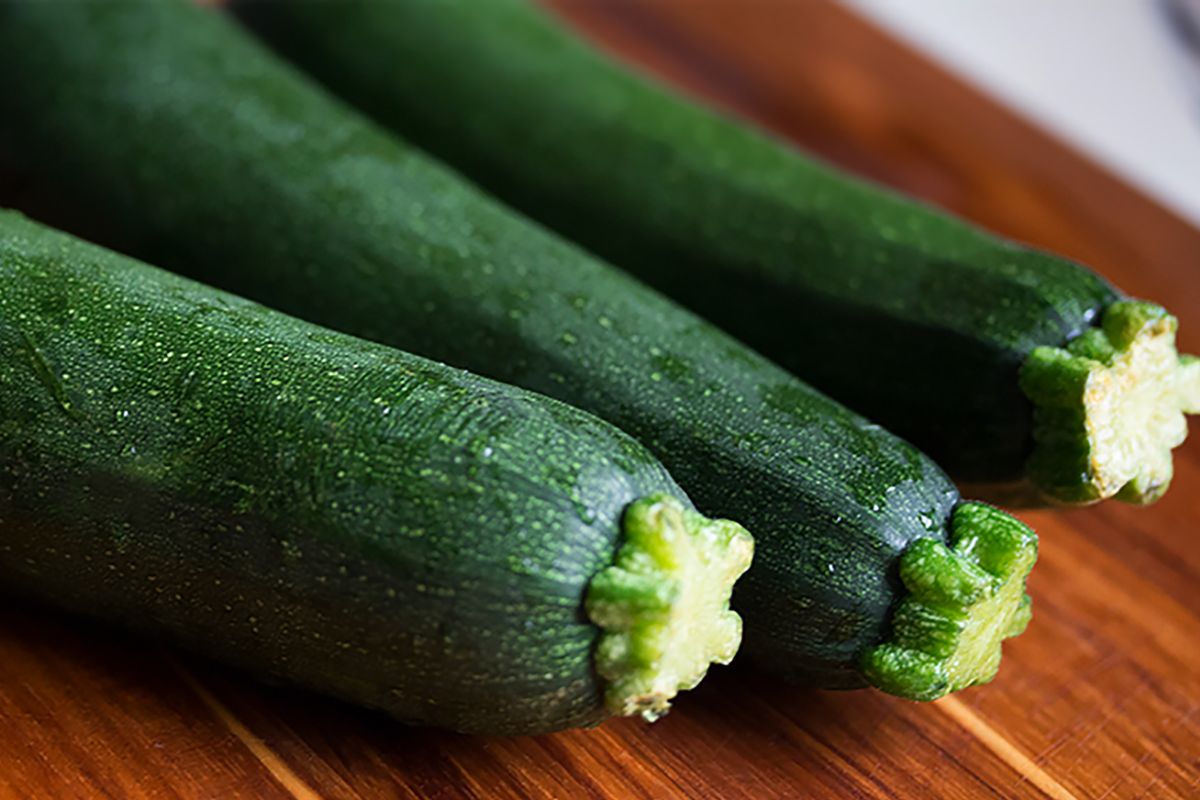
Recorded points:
(663, 605)
(964, 599)
(1109, 408)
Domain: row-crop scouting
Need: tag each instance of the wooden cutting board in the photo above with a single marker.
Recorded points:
(1098, 699)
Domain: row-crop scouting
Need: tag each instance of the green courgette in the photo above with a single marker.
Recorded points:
(1007, 365)
(329, 511)
(211, 156)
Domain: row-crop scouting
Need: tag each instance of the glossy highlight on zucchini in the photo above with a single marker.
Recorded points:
(953, 338)
(205, 153)
(337, 514)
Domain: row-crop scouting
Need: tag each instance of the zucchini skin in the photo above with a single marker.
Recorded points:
(846, 284)
(298, 502)
(216, 159)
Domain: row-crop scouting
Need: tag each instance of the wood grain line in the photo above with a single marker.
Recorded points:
(279, 770)
(1005, 750)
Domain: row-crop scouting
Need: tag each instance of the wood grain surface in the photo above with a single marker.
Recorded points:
(1098, 699)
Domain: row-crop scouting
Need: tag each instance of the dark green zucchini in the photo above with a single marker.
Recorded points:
(329, 511)
(847, 285)
(213, 157)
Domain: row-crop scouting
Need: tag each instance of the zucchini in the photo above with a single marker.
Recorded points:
(1009, 366)
(213, 157)
(329, 511)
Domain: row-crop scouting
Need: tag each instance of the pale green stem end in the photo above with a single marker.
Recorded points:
(1109, 408)
(664, 604)
(964, 600)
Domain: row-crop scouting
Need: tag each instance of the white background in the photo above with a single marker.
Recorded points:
(1104, 75)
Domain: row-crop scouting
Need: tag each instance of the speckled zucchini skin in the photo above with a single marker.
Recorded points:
(213, 157)
(298, 502)
(914, 318)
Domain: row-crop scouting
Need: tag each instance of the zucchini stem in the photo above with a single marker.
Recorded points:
(964, 600)
(664, 604)
(1109, 408)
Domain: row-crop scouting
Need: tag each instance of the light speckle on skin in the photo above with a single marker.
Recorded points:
(376, 240)
(252, 470)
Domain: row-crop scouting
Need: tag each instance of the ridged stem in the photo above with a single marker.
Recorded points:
(664, 604)
(1109, 407)
(963, 601)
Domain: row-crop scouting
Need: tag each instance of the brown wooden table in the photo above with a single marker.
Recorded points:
(1098, 699)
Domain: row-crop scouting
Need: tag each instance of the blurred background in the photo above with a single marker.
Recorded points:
(1117, 79)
